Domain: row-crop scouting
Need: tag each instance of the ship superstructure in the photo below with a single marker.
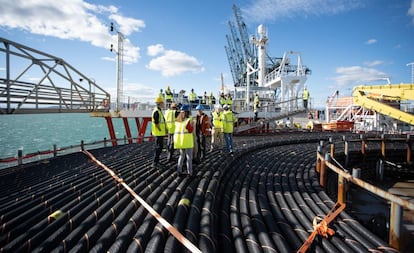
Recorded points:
(278, 81)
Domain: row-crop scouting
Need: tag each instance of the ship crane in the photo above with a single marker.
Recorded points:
(248, 52)
(277, 81)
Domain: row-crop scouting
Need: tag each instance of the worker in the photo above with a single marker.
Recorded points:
(202, 130)
(256, 106)
(305, 98)
(229, 100)
(161, 94)
(222, 100)
(184, 140)
(192, 96)
(204, 99)
(158, 129)
(217, 129)
(212, 99)
(169, 96)
(170, 116)
(228, 126)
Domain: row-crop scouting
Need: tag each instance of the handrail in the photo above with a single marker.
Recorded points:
(20, 159)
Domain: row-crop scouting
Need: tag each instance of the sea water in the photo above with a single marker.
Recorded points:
(39, 132)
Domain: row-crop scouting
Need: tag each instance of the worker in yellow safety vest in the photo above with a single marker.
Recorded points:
(217, 129)
(192, 96)
(222, 99)
(158, 129)
(228, 126)
(305, 98)
(168, 96)
(229, 101)
(170, 116)
(184, 140)
(212, 98)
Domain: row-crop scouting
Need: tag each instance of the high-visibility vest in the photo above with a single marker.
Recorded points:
(229, 101)
(217, 120)
(305, 94)
(222, 100)
(168, 95)
(228, 122)
(182, 138)
(170, 120)
(256, 100)
(155, 130)
(212, 99)
(192, 96)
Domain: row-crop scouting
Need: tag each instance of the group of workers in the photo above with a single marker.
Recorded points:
(206, 99)
(188, 134)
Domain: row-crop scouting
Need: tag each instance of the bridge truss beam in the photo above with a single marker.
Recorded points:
(37, 82)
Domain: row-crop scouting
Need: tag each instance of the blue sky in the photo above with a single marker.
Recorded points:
(181, 42)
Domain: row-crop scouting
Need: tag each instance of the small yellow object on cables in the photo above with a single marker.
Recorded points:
(184, 201)
(56, 215)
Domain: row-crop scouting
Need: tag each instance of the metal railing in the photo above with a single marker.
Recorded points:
(21, 159)
(326, 160)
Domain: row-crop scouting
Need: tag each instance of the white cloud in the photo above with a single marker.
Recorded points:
(173, 63)
(271, 10)
(70, 19)
(154, 50)
(106, 58)
(350, 76)
(373, 63)
(371, 41)
(411, 10)
(127, 25)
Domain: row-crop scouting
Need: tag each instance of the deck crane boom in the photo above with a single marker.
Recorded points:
(372, 97)
(232, 58)
(244, 36)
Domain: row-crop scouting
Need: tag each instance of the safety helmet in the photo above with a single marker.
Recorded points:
(159, 100)
(199, 107)
(226, 107)
(185, 108)
(217, 106)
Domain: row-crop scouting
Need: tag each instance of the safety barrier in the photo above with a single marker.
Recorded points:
(327, 160)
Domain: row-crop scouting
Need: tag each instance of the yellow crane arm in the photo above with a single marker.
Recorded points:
(367, 97)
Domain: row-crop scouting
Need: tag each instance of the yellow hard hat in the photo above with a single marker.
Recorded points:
(159, 100)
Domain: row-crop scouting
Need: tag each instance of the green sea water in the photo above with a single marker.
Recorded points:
(39, 132)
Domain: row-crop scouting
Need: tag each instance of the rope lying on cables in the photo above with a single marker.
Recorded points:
(322, 228)
(180, 237)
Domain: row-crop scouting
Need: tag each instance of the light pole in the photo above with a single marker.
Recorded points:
(120, 65)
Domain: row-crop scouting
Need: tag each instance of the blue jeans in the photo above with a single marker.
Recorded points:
(228, 138)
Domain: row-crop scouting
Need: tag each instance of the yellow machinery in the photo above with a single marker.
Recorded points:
(379, 97)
